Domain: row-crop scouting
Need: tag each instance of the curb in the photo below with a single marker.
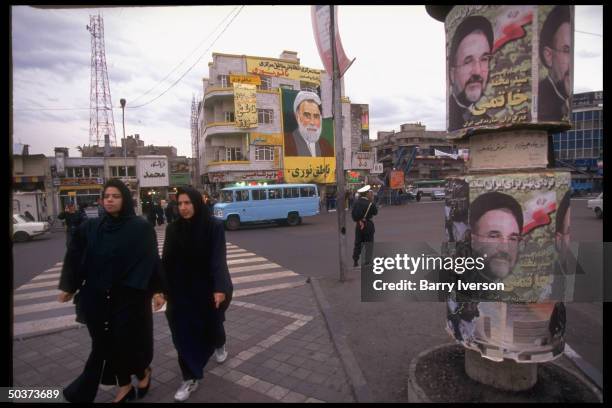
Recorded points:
(338, 335)
(416, 393)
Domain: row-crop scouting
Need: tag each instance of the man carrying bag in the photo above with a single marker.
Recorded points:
(363, 211)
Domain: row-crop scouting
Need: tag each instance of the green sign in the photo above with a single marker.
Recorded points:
(180, 179)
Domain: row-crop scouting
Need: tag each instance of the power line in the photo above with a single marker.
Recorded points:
(185, 59)
(194, 64)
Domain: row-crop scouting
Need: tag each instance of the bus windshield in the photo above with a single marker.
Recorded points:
(226, 197)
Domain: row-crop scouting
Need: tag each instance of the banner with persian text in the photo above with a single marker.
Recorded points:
(245, 105)
(276, 68)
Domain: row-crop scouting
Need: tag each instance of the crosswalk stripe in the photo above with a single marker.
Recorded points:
(245, 260)
(53, 269)
(37, 285)
(35, 326)
(262, 277)
(235, 251)
(261, 289)
(47, 276)
(242, 255)
(36, 295)
(59, 264)
(40, 307)
(257, 267)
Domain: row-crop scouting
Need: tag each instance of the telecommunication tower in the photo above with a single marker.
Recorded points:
(195, 140)
(101, 121)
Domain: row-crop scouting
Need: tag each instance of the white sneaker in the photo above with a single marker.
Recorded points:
(185, 390)
(220, 354)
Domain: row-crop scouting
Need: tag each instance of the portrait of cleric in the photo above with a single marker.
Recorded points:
(555, 89)
(305, 139)
(468, 69)
(496, 223)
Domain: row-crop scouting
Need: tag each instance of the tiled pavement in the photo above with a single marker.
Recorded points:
(279, 350)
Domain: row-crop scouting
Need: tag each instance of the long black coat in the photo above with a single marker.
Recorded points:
(117, 262)
(195, 267)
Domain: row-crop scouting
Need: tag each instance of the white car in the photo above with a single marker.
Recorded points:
(596, 205)
(24, 230)
(438, 195)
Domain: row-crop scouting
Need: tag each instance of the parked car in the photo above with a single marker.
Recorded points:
(92, 211)
(596, 204)
(24, 230)
(438, 195)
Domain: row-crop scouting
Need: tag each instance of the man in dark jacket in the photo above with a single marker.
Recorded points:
(72, 218)
(363, 211)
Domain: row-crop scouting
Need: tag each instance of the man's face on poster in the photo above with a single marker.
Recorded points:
(308, 117)
(470, 70)
(562, 239)
(557, 57)
(496, 238)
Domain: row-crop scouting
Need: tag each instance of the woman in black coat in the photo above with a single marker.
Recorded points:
(199, 287)
(114, 264)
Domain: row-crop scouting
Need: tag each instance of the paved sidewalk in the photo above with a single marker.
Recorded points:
(279, 350)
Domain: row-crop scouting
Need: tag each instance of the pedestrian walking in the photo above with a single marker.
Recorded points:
(113, 266)
(208, 202)
(362, 214)
(149, 209)
(159, 213)
(73, 219)
(199, 288)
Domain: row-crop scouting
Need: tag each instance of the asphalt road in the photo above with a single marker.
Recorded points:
(383, 336)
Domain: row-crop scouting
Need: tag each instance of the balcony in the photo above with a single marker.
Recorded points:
(222, 166)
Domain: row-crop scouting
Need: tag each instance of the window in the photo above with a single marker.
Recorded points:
(242, 195)
(579, 144)
(228, 116)
(227, 197)
(588, 115)
(95, 172)
(292, 192)
(266, 83)
(275, 193)
(285, 86)
(588, 143)
(264, 153)
(132, 171)
(224, 81)
(307, 192)
(78, 172)
(265, 115)
(232, 154)
(259, 194)
(308, 86)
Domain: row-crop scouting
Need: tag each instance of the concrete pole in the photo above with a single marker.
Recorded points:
(337, 113)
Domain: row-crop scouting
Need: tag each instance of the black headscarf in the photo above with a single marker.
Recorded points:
(127, 206)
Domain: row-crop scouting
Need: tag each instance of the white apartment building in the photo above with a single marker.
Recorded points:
(228, 154)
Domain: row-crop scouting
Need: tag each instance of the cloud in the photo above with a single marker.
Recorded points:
(588, 54)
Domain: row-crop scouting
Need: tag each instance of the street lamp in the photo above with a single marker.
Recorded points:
(122, 102)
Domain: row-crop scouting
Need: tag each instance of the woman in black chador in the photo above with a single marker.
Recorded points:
(199, 287)
(113, 262)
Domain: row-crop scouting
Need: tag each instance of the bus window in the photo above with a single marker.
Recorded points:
(227, 197)
(275, 193)
(292, 192)
(307, 192)
(242, 195)
(259, 194)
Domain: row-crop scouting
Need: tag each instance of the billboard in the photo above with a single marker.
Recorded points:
(396, 179)
(308, 140)
(519, 224)
(153, 171)
(508, 66)
(245, 105)
(276, 68)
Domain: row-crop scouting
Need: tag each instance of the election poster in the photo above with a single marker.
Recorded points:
(503, 67)
(245, 105)
(518, 224)
(308, 140)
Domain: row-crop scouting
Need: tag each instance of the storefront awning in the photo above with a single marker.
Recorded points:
(28, 179)
(83, 187)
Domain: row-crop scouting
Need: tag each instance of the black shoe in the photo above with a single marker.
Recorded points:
(128, 397)
(141, 392)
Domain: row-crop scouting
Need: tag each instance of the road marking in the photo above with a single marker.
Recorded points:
(36, 295)
(35, 326)
(235, 251)
(40, 307)
(37, 285)
(257, 267)
(261, 289)
(59, 264)
(242, 255)
(47, 276)
(53, 269)
(262, 277)
(245, 260)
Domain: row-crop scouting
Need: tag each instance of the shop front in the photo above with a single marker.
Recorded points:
(79, 191)
(154, 181)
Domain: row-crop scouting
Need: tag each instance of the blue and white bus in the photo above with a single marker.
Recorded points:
(276, 202)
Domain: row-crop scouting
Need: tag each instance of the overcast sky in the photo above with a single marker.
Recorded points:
(399, 70)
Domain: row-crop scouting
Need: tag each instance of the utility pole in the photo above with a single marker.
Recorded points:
(122, 102)
(337, 114)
